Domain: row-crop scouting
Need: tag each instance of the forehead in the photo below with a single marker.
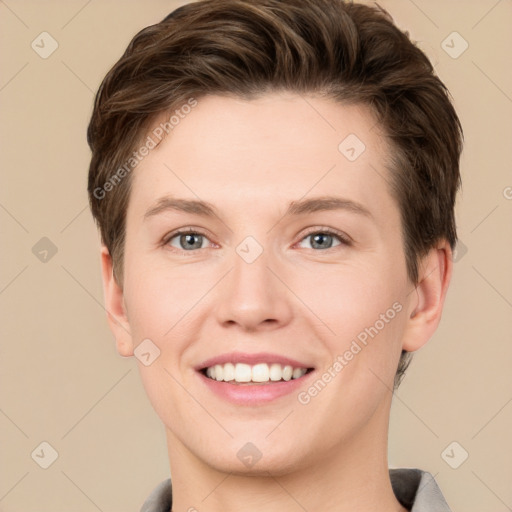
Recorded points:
(276, 148)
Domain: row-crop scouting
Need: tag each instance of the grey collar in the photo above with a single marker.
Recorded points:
(415, 489)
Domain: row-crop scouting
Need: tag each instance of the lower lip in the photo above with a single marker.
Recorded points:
(253, 394)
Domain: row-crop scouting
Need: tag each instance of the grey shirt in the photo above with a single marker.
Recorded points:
(416, 490)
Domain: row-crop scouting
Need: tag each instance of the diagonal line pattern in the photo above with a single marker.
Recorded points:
(76, 14)
(432, 478)
(491, 419)
(13, 13)
(280, 423)
(13, 279)
(424, 13)
(74, 218)
(13, 217)
(77, 76)
(486, 14)
(416, 286)
(5, 495)
(199, 403)
(383, 177)
(216, 487)
(492, 81)
(493, 287)
(94, 298)
(13, 423)
(311, 106)
(395, 395)
(81, 491)
(14, 76)
(288, 492)
(95, 404)
(196, 303)
(508, 508)
(485, 218)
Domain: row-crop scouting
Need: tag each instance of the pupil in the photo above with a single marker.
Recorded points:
(189, 241)
(320, 236)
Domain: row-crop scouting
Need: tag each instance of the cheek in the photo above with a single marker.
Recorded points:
(361, 310)
(159, 297)
(161, 304)
(346, 299)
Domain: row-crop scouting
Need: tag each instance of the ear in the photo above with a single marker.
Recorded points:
(428, 297)
(114, 304)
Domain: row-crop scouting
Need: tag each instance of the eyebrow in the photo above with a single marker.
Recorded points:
(295, 208)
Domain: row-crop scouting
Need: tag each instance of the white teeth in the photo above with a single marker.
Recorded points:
(276, 372)
(229, 372)
(243, 372)
(297, 372)
(260, 372)
(287, 372)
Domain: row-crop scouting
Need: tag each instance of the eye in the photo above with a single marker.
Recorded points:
(189, 240)
(323, 239)
(186, 240)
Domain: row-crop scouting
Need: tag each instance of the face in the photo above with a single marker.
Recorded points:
(263, 246)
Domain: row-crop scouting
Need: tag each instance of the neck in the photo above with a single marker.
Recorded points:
(352, 477)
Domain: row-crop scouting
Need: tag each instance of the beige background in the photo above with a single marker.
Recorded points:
(61, 379)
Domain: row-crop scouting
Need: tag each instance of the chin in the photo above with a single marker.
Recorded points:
(246, 458)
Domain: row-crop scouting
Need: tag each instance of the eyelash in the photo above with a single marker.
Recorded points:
(342, 237)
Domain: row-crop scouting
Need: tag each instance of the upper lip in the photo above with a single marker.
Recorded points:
(252, 359)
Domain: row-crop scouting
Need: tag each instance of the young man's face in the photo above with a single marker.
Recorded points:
(265, 281)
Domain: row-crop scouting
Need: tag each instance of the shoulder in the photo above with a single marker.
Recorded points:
(160, 499)
(417, 490)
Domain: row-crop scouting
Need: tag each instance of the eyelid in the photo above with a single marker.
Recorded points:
(184, 231)
(343, 237)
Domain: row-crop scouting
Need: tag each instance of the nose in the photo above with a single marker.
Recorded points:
(253, 295)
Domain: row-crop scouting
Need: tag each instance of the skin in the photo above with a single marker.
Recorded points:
(250, 159)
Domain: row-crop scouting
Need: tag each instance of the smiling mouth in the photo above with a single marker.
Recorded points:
(261, 373)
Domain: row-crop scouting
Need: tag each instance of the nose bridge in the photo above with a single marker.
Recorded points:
(252, 295)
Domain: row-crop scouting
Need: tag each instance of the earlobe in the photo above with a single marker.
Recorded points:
(115, 306)
(433, 281)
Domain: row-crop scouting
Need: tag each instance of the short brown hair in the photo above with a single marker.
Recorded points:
(351, 53)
